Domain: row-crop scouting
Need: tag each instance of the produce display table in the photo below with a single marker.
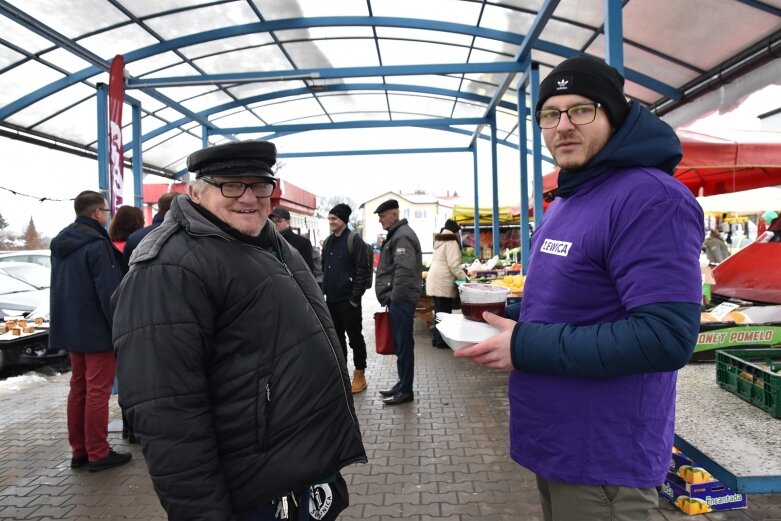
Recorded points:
(424, 310)
(26, 349)
(734, 440)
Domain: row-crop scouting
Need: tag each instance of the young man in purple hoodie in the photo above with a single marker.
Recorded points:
(605, 322)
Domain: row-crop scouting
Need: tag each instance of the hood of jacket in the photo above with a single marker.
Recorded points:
(643, 140)
(441, 238)
(82, 231)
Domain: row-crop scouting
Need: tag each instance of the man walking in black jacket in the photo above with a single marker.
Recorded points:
(281, 218)
(399, 285)
(346, 274)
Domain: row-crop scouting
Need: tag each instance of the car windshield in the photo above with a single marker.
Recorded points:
(33, 274)
(9, 284)
(40, 257)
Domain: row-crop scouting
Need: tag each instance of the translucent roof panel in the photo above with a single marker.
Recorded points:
(333, 53)
(232, 64)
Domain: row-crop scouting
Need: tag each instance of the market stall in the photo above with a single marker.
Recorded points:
(720, 164)
(25, 347)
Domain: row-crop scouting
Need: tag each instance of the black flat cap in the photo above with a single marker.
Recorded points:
(280, 212)
(245, 158)
(390, 204)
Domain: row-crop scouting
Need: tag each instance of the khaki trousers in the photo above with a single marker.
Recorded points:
(566, 502)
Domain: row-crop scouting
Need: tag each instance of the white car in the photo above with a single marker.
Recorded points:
(42, 257)
(18, 298)
(31, 273)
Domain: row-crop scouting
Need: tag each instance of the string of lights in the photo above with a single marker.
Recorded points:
(39, 199)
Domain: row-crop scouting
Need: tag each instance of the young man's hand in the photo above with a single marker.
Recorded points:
(495, 351)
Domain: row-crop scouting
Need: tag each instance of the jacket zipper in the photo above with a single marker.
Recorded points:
(320, 323)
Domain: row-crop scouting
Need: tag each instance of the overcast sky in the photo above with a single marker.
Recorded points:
(43, 173)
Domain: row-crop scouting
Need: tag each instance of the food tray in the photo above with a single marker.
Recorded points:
(459, 332)
(752, 374)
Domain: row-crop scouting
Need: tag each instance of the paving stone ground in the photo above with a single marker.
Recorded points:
(443, 456)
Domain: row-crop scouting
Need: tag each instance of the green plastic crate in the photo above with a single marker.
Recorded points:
(737, 371)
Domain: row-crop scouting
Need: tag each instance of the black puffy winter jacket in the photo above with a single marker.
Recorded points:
(229, 369)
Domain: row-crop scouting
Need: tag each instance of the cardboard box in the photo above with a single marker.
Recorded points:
(683, 467)
(694, 490)
(701, 498)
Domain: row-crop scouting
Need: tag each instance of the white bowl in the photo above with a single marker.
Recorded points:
(459, 332)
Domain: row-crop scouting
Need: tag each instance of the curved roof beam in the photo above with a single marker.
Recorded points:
(305, 23)
(326, 88)
(327, 73)
(99, 65)
(521, 58)
(329, 153)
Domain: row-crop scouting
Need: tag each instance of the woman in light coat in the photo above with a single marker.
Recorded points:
(444, 271)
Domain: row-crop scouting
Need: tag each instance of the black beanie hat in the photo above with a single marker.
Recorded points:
(451, 225)
(342, 211)
(590, 77)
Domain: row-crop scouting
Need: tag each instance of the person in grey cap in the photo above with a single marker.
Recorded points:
(229, 365)
(399, 284)
(281, 218)
(605, 323)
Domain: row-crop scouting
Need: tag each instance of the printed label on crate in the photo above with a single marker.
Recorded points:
(723, 309)
(701, 498)
(737, 336)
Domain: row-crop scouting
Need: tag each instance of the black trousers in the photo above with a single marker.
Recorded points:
(444, 305)
(347, 319)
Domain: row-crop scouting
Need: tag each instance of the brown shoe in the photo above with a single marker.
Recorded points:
(359, 381)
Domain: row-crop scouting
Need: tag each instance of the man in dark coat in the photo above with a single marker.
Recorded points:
(281, 219)
(229, 366)
(399, 284)
(163, 205)
(346, 274)
(86, 269)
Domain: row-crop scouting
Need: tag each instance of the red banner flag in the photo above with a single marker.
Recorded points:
(116, 160)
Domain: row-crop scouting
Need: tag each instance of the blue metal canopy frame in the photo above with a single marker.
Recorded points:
(518, 67)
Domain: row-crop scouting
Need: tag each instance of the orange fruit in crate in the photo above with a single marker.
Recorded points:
(738, 317)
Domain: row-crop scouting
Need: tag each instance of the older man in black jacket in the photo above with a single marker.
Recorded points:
(229, 365)
(399, 285)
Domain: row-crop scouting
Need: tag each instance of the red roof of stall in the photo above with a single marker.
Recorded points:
(729, 163)
(718, 164)
(751, 274)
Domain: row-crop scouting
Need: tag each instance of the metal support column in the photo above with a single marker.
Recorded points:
(534, 83)
(614, 34)
(204, 137)
(524, 157)
(138, 175)
(477, 201)
(101, 96)
(494, 185)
